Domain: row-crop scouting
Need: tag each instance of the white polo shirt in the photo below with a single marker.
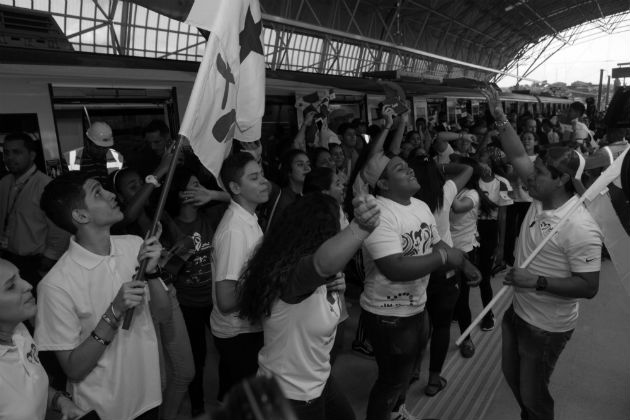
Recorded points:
(72, 297)
(236, 237)
(410, 230)
(23, 381)
(576, 247)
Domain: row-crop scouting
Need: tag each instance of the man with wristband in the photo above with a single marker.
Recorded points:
(83, 298)
(545, 306)
(399, 256)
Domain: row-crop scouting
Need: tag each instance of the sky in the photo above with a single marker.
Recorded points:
(582, 61)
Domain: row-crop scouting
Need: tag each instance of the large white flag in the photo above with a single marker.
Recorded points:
(616, 238)
(228, 97)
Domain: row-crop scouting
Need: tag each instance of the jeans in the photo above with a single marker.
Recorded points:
(180, 368)
(397, 343)
(332, 404)
(529, 357)
(197, 319)
(442, 295)
(238, 359)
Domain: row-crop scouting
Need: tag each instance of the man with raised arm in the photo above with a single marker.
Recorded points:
(545, 306)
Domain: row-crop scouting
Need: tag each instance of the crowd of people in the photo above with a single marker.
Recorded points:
(425, 210)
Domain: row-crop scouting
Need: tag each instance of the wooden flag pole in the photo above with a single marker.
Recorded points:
(596, 188)
(156, 219)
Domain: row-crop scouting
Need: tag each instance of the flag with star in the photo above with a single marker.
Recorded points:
(228, 97)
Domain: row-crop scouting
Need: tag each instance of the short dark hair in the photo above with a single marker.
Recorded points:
(62, 196)
(234, 167)
(28, 141)
(156, 125)
(578, 106)
(318, 180)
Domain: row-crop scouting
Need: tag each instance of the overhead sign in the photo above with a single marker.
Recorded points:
(620, 72)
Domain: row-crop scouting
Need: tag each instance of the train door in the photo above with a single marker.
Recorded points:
(420, 108)
(126, 110)
(435, 106)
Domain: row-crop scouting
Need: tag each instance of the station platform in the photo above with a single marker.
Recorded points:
(591, 379)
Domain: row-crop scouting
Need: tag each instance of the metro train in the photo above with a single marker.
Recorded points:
(57, 100)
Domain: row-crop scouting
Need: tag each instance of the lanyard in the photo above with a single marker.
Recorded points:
(11, 206)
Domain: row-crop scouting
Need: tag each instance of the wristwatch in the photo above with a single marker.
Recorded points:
(541, 283)
(151, 179)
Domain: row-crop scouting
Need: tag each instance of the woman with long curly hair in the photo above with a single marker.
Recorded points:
(289, 285)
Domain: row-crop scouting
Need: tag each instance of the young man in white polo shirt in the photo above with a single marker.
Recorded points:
(238, 233)
(545, 306)
(84, 296)
(399, 256)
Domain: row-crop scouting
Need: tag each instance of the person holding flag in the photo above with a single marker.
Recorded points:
(545, 306)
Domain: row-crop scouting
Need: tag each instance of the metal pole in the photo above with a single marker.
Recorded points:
(156, 220)
(607, 92)
(599, 92)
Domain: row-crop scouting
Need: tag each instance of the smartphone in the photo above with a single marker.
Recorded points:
(398, 105)
(90, 415)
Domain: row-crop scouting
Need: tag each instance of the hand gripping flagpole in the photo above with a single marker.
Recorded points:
(156, 220)
(596, 188)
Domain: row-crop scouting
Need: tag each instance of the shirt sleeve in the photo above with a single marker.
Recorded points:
(450, 191)
(504, 192)
(385, 239)
(583, 247)
(230, 255)
(303, 281)
(57, 326)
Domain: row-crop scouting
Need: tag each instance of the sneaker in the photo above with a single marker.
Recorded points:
(487, 323)
(363, 348)
(467, 348)
(402, 414)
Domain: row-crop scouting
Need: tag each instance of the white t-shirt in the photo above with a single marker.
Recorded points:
(576, 247)
(23, 381)
(72, 297)
(410, 230)
(299, 338)
(497, 190)
(236, 237)
(442, 216)
(464, 225)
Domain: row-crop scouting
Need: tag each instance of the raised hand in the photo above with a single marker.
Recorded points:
(494, 102)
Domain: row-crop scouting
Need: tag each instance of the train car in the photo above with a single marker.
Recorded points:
(55, 102)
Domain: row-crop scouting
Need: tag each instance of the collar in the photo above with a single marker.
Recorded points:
(557, 213)
(88, 259)
(240, 211)
(25, 177)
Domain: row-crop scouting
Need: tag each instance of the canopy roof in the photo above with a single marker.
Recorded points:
(481, 39)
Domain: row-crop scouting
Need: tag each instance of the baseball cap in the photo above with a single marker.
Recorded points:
(566, 160)
(100, 134)
(374, 168)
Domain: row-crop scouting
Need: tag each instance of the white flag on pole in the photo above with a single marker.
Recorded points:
(228, 98)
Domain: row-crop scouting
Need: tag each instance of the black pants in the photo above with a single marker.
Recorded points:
(332, 404)
(238, 359)
(398, 343)
(197, 319)
(462, 307)
(514, 216)
(442, 295)
(488, 239)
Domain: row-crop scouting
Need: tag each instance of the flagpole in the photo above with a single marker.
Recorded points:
(156, 219)
(596, 188)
